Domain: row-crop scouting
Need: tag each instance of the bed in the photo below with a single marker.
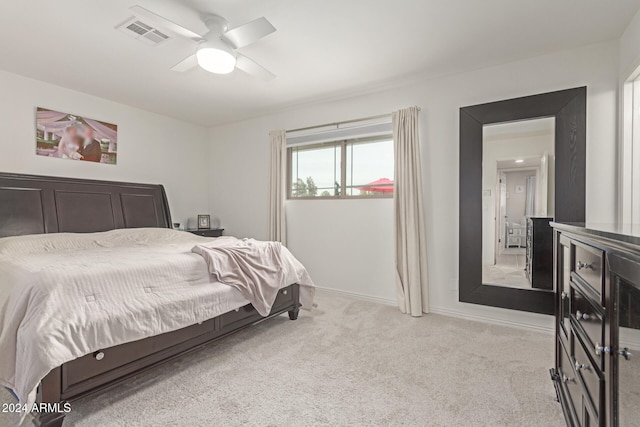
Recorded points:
(104, 212)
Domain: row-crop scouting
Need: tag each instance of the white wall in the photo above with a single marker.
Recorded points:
(239, 160)
(630, 48)
(151, 148)
(346, 245)
(629, 150)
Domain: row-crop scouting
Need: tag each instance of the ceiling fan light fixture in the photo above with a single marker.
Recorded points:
(216, 57)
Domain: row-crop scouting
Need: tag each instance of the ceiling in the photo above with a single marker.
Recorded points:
(321, 49)
(526, 163)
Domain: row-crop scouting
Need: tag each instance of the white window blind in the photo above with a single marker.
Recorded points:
(340, 131)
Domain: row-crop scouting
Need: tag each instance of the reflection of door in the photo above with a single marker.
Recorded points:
(541, 205)
(501, 211)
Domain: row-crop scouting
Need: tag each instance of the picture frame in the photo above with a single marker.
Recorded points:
(204, 222)
(73, 137)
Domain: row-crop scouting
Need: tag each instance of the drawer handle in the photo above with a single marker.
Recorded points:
(582, 265)
(582, 316)
(581, 366)
(563, 295)
(98, 355)
(285, 292)
(566, 379)
(601, 349)
(625, 353)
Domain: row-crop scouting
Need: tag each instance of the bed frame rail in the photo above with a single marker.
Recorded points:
(54, 388)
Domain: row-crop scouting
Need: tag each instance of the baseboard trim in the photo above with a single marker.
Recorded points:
(443, 311)
(491, 320)
(357, 296)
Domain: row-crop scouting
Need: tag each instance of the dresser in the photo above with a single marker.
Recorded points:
(597, 282)
(539, 253)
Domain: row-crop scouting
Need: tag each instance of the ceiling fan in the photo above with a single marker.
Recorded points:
(216, 49)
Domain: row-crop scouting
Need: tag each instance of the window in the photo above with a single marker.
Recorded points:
(350, 168)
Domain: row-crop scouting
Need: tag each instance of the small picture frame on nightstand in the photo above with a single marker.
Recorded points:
(204, 222)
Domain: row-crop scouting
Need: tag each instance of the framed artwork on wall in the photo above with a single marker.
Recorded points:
(68, 136)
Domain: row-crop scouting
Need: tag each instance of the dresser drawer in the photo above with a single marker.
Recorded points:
(588, 320)
(589, 417)
(569, 379)
(590, 375)
(284, 298)
(247, 314)
(78, 374)
(588, 266)
(242, 314)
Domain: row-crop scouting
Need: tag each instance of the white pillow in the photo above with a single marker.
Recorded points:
(56, 242)
(38, 243)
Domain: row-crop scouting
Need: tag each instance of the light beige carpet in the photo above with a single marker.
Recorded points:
(347, 363)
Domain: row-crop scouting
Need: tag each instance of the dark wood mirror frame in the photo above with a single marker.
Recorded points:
(569, 107)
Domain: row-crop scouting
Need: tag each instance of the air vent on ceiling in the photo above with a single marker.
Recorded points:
(143, 32)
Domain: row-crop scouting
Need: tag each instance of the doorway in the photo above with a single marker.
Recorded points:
(516, 191)
(520, 194)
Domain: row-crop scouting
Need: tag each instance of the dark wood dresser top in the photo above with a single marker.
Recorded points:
(621, 232)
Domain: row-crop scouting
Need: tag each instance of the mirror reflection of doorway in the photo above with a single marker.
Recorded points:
(517, 195)
(518, 181)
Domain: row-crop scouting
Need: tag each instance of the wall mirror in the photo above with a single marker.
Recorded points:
(517, 185)
(522, 165)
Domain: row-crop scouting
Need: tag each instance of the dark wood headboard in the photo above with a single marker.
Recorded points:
(31, 204)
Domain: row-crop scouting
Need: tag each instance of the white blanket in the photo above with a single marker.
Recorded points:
(257, 269)
(66, 295)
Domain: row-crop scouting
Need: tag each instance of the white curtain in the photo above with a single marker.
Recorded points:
(277, 188)
(410, 245)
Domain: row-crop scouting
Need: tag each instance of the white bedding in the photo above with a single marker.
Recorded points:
(66, 295)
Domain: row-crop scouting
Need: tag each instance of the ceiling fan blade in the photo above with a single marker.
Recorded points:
(250, 32)
(252, 68)
(143, 13)
(186, 64)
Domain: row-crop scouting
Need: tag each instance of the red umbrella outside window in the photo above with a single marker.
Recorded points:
(382, 185)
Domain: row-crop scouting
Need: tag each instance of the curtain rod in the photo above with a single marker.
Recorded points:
(342, 123)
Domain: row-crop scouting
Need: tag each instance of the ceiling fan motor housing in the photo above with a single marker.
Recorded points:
(216, 24)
